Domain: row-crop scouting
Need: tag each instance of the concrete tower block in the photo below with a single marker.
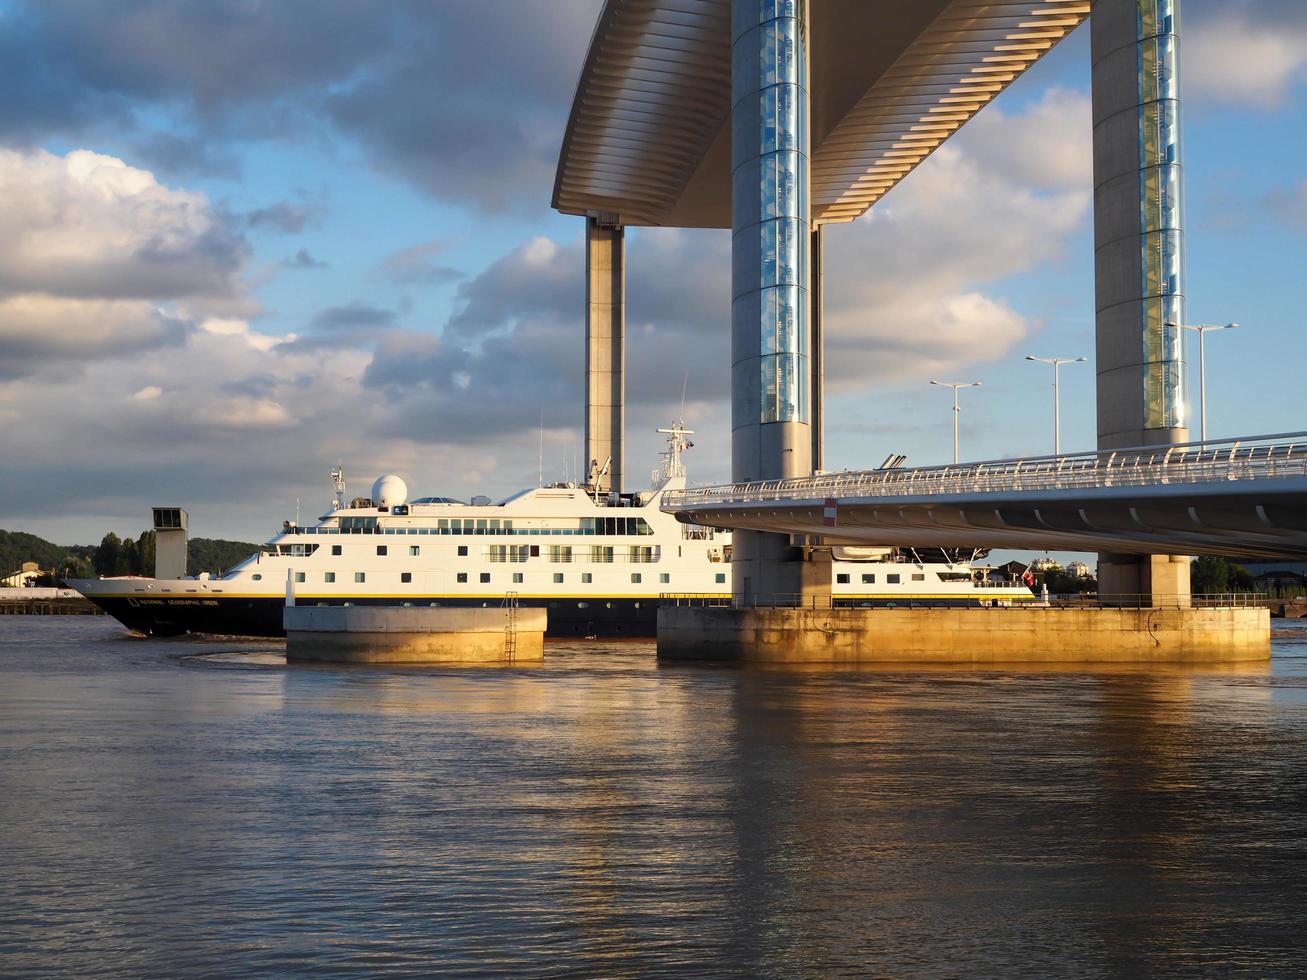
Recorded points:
(605, 348)
(170, 530)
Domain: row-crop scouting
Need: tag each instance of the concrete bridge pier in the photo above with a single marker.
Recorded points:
(1138, 252)
(605, 348)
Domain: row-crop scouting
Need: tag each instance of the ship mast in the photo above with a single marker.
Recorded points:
(677, 443)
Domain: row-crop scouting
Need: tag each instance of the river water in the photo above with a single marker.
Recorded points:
(197, 807)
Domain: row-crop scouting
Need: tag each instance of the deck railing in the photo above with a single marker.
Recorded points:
(1215, 600)
(1251, 458)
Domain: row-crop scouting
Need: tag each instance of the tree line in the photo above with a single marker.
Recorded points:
(113, 556)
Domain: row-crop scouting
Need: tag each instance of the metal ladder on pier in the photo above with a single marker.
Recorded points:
(510, 626)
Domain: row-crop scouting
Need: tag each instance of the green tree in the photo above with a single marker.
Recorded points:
(108, 555)
(144, 554)
(1213, 574)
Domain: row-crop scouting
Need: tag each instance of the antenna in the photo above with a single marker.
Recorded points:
(685, 383)
(338, 481)
(540, 472)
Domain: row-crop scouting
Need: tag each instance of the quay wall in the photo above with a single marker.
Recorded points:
(964, 636)
(414, 635)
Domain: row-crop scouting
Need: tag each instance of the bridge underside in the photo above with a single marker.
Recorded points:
(1176, 520)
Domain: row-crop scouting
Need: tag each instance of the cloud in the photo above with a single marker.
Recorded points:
(98, 259)
(415, 266)
(189, 154)
(1244, 52)
(37, 331)
(502, 75)
(465, 101)
(352, 316)
(908, 295)
(88, 225)
(303, 259)
(283, 217)
(1288, 204)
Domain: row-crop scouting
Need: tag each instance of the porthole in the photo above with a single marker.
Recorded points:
(608, 605)
(258, 577)
(583, 605)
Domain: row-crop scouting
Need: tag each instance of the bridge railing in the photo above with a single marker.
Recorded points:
(1250, 458)
(1214, 600)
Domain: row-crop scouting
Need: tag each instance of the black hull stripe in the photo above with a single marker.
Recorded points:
(250, 616)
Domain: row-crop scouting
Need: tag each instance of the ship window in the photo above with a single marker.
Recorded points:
(560, 553)
(462, 551)
(485, 577)
(868, 579)
(494, 524)
(842, 578)
(414, 550)
(381, 549)
(586, 578)
(360, 577)
(892, 579)
(918, 577)
(335, 549)
(481, 525)
(720, 578)
(642, 553)
(258, 578)
(664, 578)
(558, 578)
(602, 553)
(462, 576)
(635, 578)
(299, 576)
(329, 577)
(517, 578)
(443, 524)
(406, 576)
(535, 550)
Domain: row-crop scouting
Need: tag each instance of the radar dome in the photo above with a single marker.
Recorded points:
(389, 491)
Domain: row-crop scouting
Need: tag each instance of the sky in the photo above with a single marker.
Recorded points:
(243, 241)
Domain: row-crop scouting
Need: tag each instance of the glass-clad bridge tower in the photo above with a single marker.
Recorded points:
(1138, 250)
(770, 257)
(1138, 222)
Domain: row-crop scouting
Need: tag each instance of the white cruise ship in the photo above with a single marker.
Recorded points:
(598, 563)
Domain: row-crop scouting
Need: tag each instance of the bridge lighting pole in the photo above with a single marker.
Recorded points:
(955, 385)
(1057, 362)
(1201, 329)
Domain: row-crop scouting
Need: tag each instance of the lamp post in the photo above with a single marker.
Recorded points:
(1057, 363)
(1201, 329)
(955, 385)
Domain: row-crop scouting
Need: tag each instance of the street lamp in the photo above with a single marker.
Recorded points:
(955, 385)
(1057, 362)
(1201, 329)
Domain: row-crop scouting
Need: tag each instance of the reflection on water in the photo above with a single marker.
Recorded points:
(198, 806)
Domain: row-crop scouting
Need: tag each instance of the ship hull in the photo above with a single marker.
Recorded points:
(616, 618)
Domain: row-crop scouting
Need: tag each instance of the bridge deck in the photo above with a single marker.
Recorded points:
(1243, 496)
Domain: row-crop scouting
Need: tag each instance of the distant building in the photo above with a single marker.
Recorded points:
(1046, 565)
(24, 578)
(1079, 569)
